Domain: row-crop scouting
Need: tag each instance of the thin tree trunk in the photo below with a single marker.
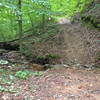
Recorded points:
(20, 21)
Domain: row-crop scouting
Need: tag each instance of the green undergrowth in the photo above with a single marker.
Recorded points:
(8, 78)
(24, 74)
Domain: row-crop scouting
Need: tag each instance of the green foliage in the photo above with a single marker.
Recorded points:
(34, 13)
(52, 56)
(3, 62)
(40, 57)
(2, 89)
(22, 74)
(38, 73)
(6, 79)
(69, 7)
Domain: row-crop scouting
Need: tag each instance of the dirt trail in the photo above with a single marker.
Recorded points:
(76, 44)
(58, 84)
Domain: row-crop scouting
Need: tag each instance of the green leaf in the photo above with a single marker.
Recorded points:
(38, 73)
(3, 62)
(22, 74)
(3, 89)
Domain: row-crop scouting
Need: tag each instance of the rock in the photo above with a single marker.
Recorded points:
(59, 66)
(64, 21)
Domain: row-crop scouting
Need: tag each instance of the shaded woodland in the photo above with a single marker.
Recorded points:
(49, 50)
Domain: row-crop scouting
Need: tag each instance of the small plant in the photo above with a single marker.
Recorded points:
(2, 89)
(40, 57)
(7, 82)
(38, 73)
(3, 62)
(22, 74)
(2, 70)
(6, 77)
(25, 74)
(52, 56)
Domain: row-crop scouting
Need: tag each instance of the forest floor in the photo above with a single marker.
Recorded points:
(56, 84)
(61, 83)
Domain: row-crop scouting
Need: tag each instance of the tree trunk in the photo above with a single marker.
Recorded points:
(20, 22)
